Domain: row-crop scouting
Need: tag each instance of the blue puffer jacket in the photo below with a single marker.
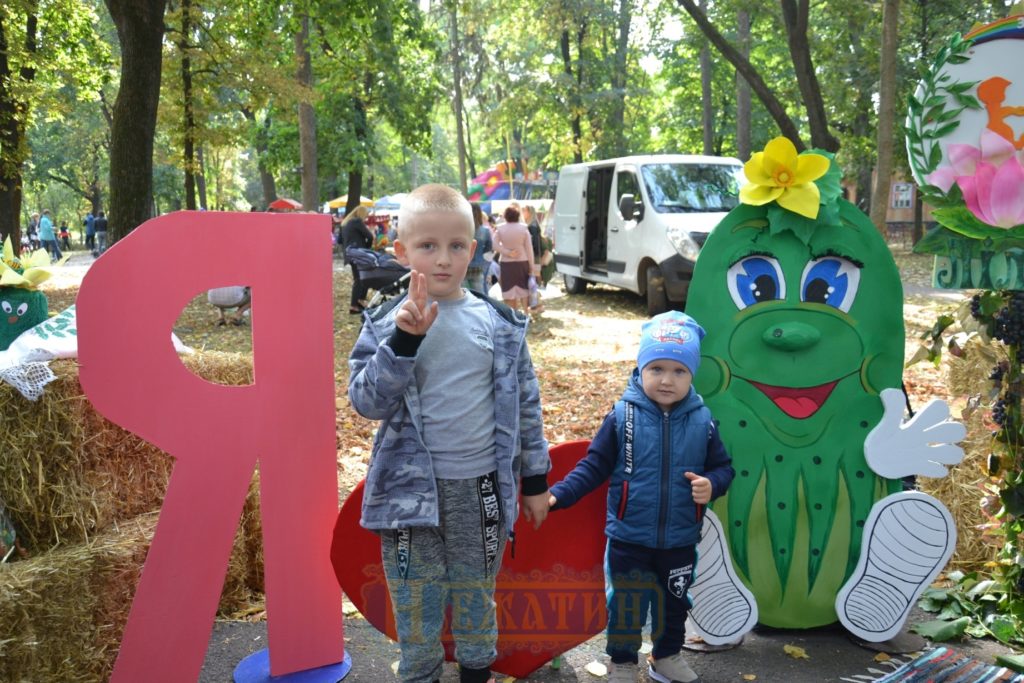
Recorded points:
(652, 506)
(400, 487)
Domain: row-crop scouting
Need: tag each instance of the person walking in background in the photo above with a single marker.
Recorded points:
(530, 218)
(65, 236)
(513, 243)
(90, 231)
(32, 230)
(100, 226)
(48, 237)
(481, 257)
(354, 233)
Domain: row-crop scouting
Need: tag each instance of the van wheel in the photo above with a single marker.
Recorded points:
(573, 284)
(657, 298)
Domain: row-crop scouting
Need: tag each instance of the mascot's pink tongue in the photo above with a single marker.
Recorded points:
(798, 403)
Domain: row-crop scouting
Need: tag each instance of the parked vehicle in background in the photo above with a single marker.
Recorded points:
(639, 222)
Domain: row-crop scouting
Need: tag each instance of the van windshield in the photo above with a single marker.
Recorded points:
(680, 188)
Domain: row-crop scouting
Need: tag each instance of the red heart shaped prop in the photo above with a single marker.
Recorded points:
(550, 596)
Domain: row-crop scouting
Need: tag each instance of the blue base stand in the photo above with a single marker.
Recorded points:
(256, 669)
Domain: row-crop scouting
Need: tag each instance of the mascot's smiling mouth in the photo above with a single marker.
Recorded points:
(799, 402)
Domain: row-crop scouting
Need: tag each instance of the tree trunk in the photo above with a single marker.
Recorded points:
(575, 105)
(886, 113)
(140, 30)
(706, 106)
(456, 53)
(469, 147)
(189, 106)
(794, 15)
(361, 132)
(13, 118)
(775, 108)
(307, 118)
(201, 177)
(743, 89)
(617, 120)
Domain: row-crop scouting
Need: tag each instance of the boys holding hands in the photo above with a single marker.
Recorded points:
(661, 450)
(449, 375)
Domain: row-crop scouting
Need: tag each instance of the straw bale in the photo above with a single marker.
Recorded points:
(67, 472)
(961, 491)
(62, 613)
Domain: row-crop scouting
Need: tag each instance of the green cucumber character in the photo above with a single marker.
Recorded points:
(802, 367)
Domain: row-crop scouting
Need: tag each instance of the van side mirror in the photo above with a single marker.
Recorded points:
(629, 208)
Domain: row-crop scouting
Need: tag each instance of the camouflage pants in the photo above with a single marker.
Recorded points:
(456, 564)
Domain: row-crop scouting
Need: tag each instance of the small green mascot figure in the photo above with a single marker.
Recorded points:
(22, 305)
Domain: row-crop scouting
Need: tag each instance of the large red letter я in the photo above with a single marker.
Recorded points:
(285, 421)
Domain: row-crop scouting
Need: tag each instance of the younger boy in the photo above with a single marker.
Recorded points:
(448, 374)
(661, 450)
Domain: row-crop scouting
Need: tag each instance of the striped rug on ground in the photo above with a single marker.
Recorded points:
(943, 665)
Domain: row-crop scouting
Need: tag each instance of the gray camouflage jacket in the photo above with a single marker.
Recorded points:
(400, 489)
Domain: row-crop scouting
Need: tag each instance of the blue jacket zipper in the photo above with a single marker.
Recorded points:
(665, 473)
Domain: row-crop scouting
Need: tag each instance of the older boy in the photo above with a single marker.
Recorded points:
(448, 373)
(661, 450)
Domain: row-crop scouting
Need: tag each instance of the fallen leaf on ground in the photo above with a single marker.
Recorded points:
(795, 652)
(749, 677)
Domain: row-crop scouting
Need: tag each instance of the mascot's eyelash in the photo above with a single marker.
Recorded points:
(748, 254)
(833, 252)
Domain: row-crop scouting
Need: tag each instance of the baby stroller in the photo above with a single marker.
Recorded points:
(380, 272)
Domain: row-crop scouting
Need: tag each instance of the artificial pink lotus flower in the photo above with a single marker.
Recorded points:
(963, 159)
(995, 194)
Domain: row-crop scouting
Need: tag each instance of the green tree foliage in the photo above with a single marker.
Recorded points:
(44, 46)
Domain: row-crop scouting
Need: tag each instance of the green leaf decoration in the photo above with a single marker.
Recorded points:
(780, 220)
(960, 219)
(1003, 628)
(829, 185)
(941, 631)
(1013, 499)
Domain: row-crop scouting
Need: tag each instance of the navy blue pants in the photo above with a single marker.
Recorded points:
(647, 580)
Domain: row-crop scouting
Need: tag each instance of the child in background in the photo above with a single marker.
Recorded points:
(661, 450)
(449, 374)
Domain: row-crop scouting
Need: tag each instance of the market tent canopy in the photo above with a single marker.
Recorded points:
(342, 201)
(391, 202)
(284, 204)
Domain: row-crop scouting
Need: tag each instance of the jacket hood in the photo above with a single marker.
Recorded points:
(634, 393)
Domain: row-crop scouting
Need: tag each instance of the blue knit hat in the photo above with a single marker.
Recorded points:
(671, 336)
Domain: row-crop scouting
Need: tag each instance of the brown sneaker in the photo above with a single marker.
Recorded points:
(672, 669)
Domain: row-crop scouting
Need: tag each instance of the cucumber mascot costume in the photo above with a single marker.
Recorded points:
(802, 367)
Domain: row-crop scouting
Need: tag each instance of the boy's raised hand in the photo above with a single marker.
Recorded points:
(415, 316)
(700, 486)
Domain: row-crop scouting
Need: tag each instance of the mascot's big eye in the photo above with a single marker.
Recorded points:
(830, 280)
(6, 305)
(755, 279)
(22, 309)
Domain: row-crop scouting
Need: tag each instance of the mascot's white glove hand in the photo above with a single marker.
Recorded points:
(925, 445)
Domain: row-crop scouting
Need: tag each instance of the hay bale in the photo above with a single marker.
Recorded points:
(962, 490)
(62, 613)
(66, 472)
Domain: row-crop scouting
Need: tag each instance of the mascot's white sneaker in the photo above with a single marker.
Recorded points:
(908, 538)
(723, 609)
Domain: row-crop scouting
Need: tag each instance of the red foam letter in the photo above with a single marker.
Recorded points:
(128, 303)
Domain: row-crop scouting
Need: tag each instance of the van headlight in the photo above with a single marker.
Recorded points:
(683, 243)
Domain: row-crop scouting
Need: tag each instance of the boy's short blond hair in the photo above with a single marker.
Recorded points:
(434, 197)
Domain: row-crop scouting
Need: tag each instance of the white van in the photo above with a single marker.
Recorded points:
(639, 222)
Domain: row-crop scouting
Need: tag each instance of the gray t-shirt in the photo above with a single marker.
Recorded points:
(455, 380)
